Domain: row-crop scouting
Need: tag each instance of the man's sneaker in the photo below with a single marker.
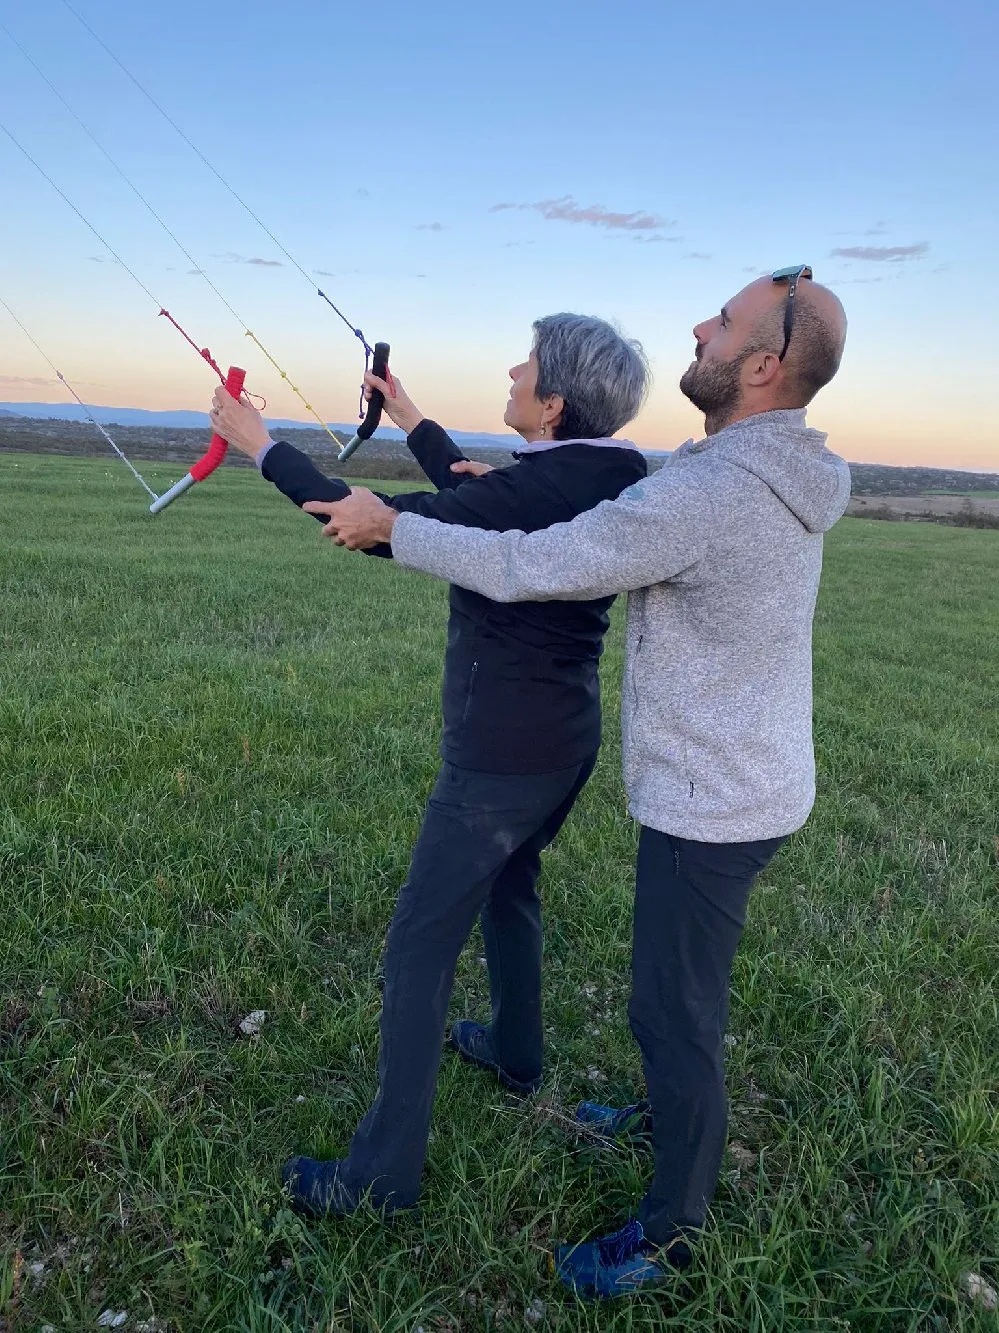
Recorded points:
(471, 1041)
(610, 1122)
(619, 1264)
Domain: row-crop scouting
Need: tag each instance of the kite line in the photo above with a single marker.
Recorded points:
(375, 358)
(87, 410)
(378, 355)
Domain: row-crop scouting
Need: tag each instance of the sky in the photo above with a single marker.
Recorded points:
(450, 172)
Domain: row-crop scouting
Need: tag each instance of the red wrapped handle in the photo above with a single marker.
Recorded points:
(216, 451)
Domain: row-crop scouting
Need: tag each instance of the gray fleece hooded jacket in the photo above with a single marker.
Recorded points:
(721, 552)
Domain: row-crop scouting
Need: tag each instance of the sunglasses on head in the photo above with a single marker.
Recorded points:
(792, 276)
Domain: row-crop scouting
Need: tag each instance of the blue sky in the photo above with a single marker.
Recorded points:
(652, 158)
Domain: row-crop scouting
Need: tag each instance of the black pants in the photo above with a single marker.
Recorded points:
(479, 852)
(690, 909)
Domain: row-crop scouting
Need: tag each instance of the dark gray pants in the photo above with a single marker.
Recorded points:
(479, 852)
(690, 909)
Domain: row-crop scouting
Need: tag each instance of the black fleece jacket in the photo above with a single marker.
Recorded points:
(521, 691)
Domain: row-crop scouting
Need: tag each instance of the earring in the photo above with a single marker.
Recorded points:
(544, 431)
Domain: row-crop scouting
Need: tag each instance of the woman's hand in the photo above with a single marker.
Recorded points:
(239, 422)
(399, 407)
(471, 468)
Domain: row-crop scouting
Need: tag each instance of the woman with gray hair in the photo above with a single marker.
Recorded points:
(521, 705)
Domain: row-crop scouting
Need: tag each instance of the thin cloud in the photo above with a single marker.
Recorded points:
(567, 209)
(697, 254)
(324, 273)
(882, 254)
(431, 226)
(880, 228)
(17, 381)
(232, 258)
(657, 238)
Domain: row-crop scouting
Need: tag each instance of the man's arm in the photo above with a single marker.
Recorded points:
(652, 532)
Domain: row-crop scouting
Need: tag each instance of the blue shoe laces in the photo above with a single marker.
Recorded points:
(622, 1245)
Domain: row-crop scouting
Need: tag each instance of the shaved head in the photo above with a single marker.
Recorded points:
(737, 370)
(817, 337)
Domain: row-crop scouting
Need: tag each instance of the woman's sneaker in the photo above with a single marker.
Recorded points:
(610, 1122)
(471, 1041)
(619, 1264)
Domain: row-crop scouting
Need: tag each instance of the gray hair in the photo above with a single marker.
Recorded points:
(602, 377)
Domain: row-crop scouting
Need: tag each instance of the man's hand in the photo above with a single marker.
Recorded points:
(471, 468)
(358, 522)
(239, 423)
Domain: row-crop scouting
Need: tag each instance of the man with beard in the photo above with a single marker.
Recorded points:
(721, 552)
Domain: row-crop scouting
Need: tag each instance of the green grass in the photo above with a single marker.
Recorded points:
(217, 736)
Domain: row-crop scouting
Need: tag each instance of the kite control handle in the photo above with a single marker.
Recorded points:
(367, 428)
(216, 451)
(212, 456)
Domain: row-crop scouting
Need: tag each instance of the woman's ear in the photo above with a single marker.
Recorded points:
(551, 413)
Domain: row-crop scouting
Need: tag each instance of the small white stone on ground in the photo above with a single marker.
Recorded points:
(980, 1291)
(535, 1312)
(111, 1318)
(252, 1023)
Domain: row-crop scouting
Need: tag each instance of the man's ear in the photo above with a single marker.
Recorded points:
(760, 369)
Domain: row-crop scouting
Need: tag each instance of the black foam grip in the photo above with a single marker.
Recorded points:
(376, 402)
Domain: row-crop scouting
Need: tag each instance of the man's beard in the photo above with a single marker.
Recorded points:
(713, 386)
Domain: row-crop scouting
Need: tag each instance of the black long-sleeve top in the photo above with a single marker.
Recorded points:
(521, 691)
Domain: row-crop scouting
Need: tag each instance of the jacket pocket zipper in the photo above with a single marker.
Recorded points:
(634, 672)
(471, 687)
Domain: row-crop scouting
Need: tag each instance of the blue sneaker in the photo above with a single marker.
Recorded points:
(471, 1041)
(628, 1122)
(617, 1265)
(316, 1189)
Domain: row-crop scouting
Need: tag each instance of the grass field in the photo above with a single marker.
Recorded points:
(217, 737)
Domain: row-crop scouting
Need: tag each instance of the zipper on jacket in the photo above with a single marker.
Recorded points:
(471, 687)
(634, 665)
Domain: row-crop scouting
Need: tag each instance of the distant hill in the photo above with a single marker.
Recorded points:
(385, 456)
(185, 420)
